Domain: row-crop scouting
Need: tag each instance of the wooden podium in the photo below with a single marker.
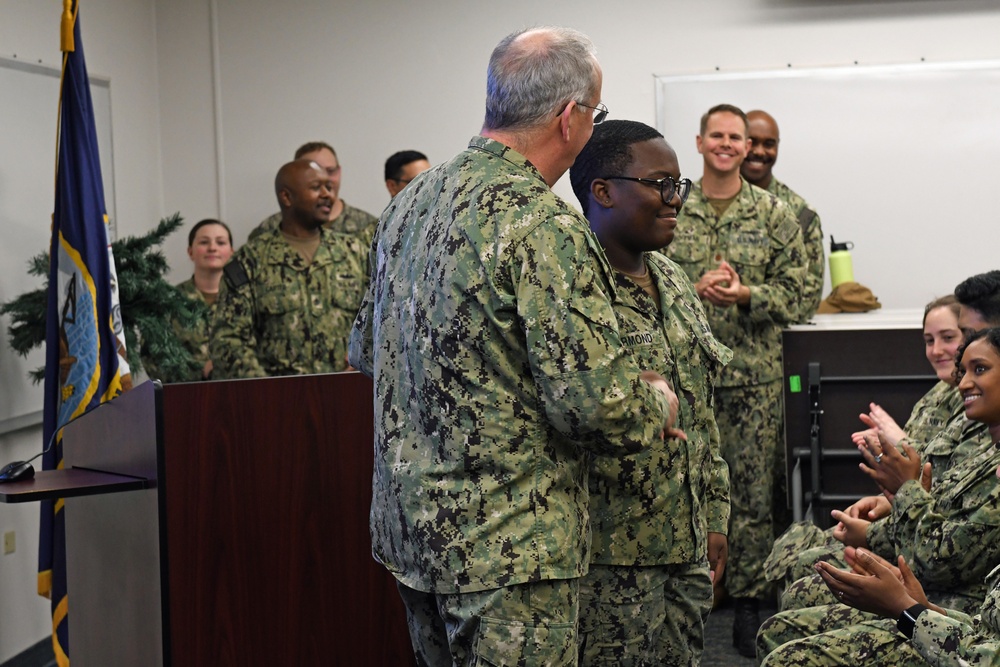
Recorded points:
(225, 523)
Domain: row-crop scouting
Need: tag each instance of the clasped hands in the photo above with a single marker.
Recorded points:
(722, 287)
(874, 585)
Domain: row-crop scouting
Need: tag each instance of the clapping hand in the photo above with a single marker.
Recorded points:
(887, 466)
(874, 585)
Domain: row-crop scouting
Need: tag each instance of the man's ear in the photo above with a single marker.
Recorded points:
(600, 193)
(392, 186)
(697, 143)
(565, 120)
(284, 198)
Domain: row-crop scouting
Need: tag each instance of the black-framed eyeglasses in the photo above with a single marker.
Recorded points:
(668, 186)
(601, 109)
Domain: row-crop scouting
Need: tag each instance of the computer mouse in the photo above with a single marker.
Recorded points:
(16, 471)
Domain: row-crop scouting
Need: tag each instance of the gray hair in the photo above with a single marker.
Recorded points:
(530, 80)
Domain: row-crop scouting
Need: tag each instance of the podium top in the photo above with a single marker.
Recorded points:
(70, 483)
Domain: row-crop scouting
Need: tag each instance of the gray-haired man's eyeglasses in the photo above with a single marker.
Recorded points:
(602, 111)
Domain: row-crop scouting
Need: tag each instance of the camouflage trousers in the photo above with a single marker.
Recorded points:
(793, 556)
(810, 591)
(750, 426)
(644, 616)
(804, 638)
(527, 625)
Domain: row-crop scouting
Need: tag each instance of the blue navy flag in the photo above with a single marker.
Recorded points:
(85, 343)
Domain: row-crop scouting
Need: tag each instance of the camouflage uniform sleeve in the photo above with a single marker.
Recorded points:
(950, 546)
(953, 640)
(233, 343)
(879, 536)
(588, 385)
(812, 240)
(361, 345)
(777, 298)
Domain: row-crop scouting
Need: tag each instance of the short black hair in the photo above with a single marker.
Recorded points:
(981, 293)
(608, 153)
(394, 165)
(208, 221)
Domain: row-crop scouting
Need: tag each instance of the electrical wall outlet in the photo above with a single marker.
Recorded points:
(9, 543)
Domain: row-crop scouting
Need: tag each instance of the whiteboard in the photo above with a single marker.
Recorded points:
(904, 161)
(29, 101)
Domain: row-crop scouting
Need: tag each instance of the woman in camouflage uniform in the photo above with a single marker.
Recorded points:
(210, 245)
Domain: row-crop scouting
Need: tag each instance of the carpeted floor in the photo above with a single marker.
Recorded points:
(719, 651)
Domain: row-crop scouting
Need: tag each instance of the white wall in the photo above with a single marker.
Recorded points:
(119, 40)
(373, 78)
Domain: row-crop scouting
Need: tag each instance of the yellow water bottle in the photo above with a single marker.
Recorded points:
(841, 266)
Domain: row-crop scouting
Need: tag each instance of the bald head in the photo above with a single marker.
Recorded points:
(291, 173)
(758, 114)
(763, 132)
(304, 194)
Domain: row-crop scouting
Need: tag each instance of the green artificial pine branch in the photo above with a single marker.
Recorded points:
(150, 306)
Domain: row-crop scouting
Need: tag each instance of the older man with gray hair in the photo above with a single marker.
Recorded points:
(499, 369)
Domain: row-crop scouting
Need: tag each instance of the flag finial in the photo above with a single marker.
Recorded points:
(67, 42)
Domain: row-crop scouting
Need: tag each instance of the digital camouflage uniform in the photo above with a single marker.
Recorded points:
(812, 241)
(278, 315)
(194, 339)
(351, 221)
(936, 410)
(955, 640)
(761, 239)
(803, 544)
(648, 591)
(498, 364)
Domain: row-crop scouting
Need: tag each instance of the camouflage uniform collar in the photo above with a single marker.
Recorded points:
(278, 251)
(663, 278)
(190, 290)
(743, 205)
(504, 152)
(745, 189)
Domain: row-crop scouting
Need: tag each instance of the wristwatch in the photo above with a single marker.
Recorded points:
(908, 619)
